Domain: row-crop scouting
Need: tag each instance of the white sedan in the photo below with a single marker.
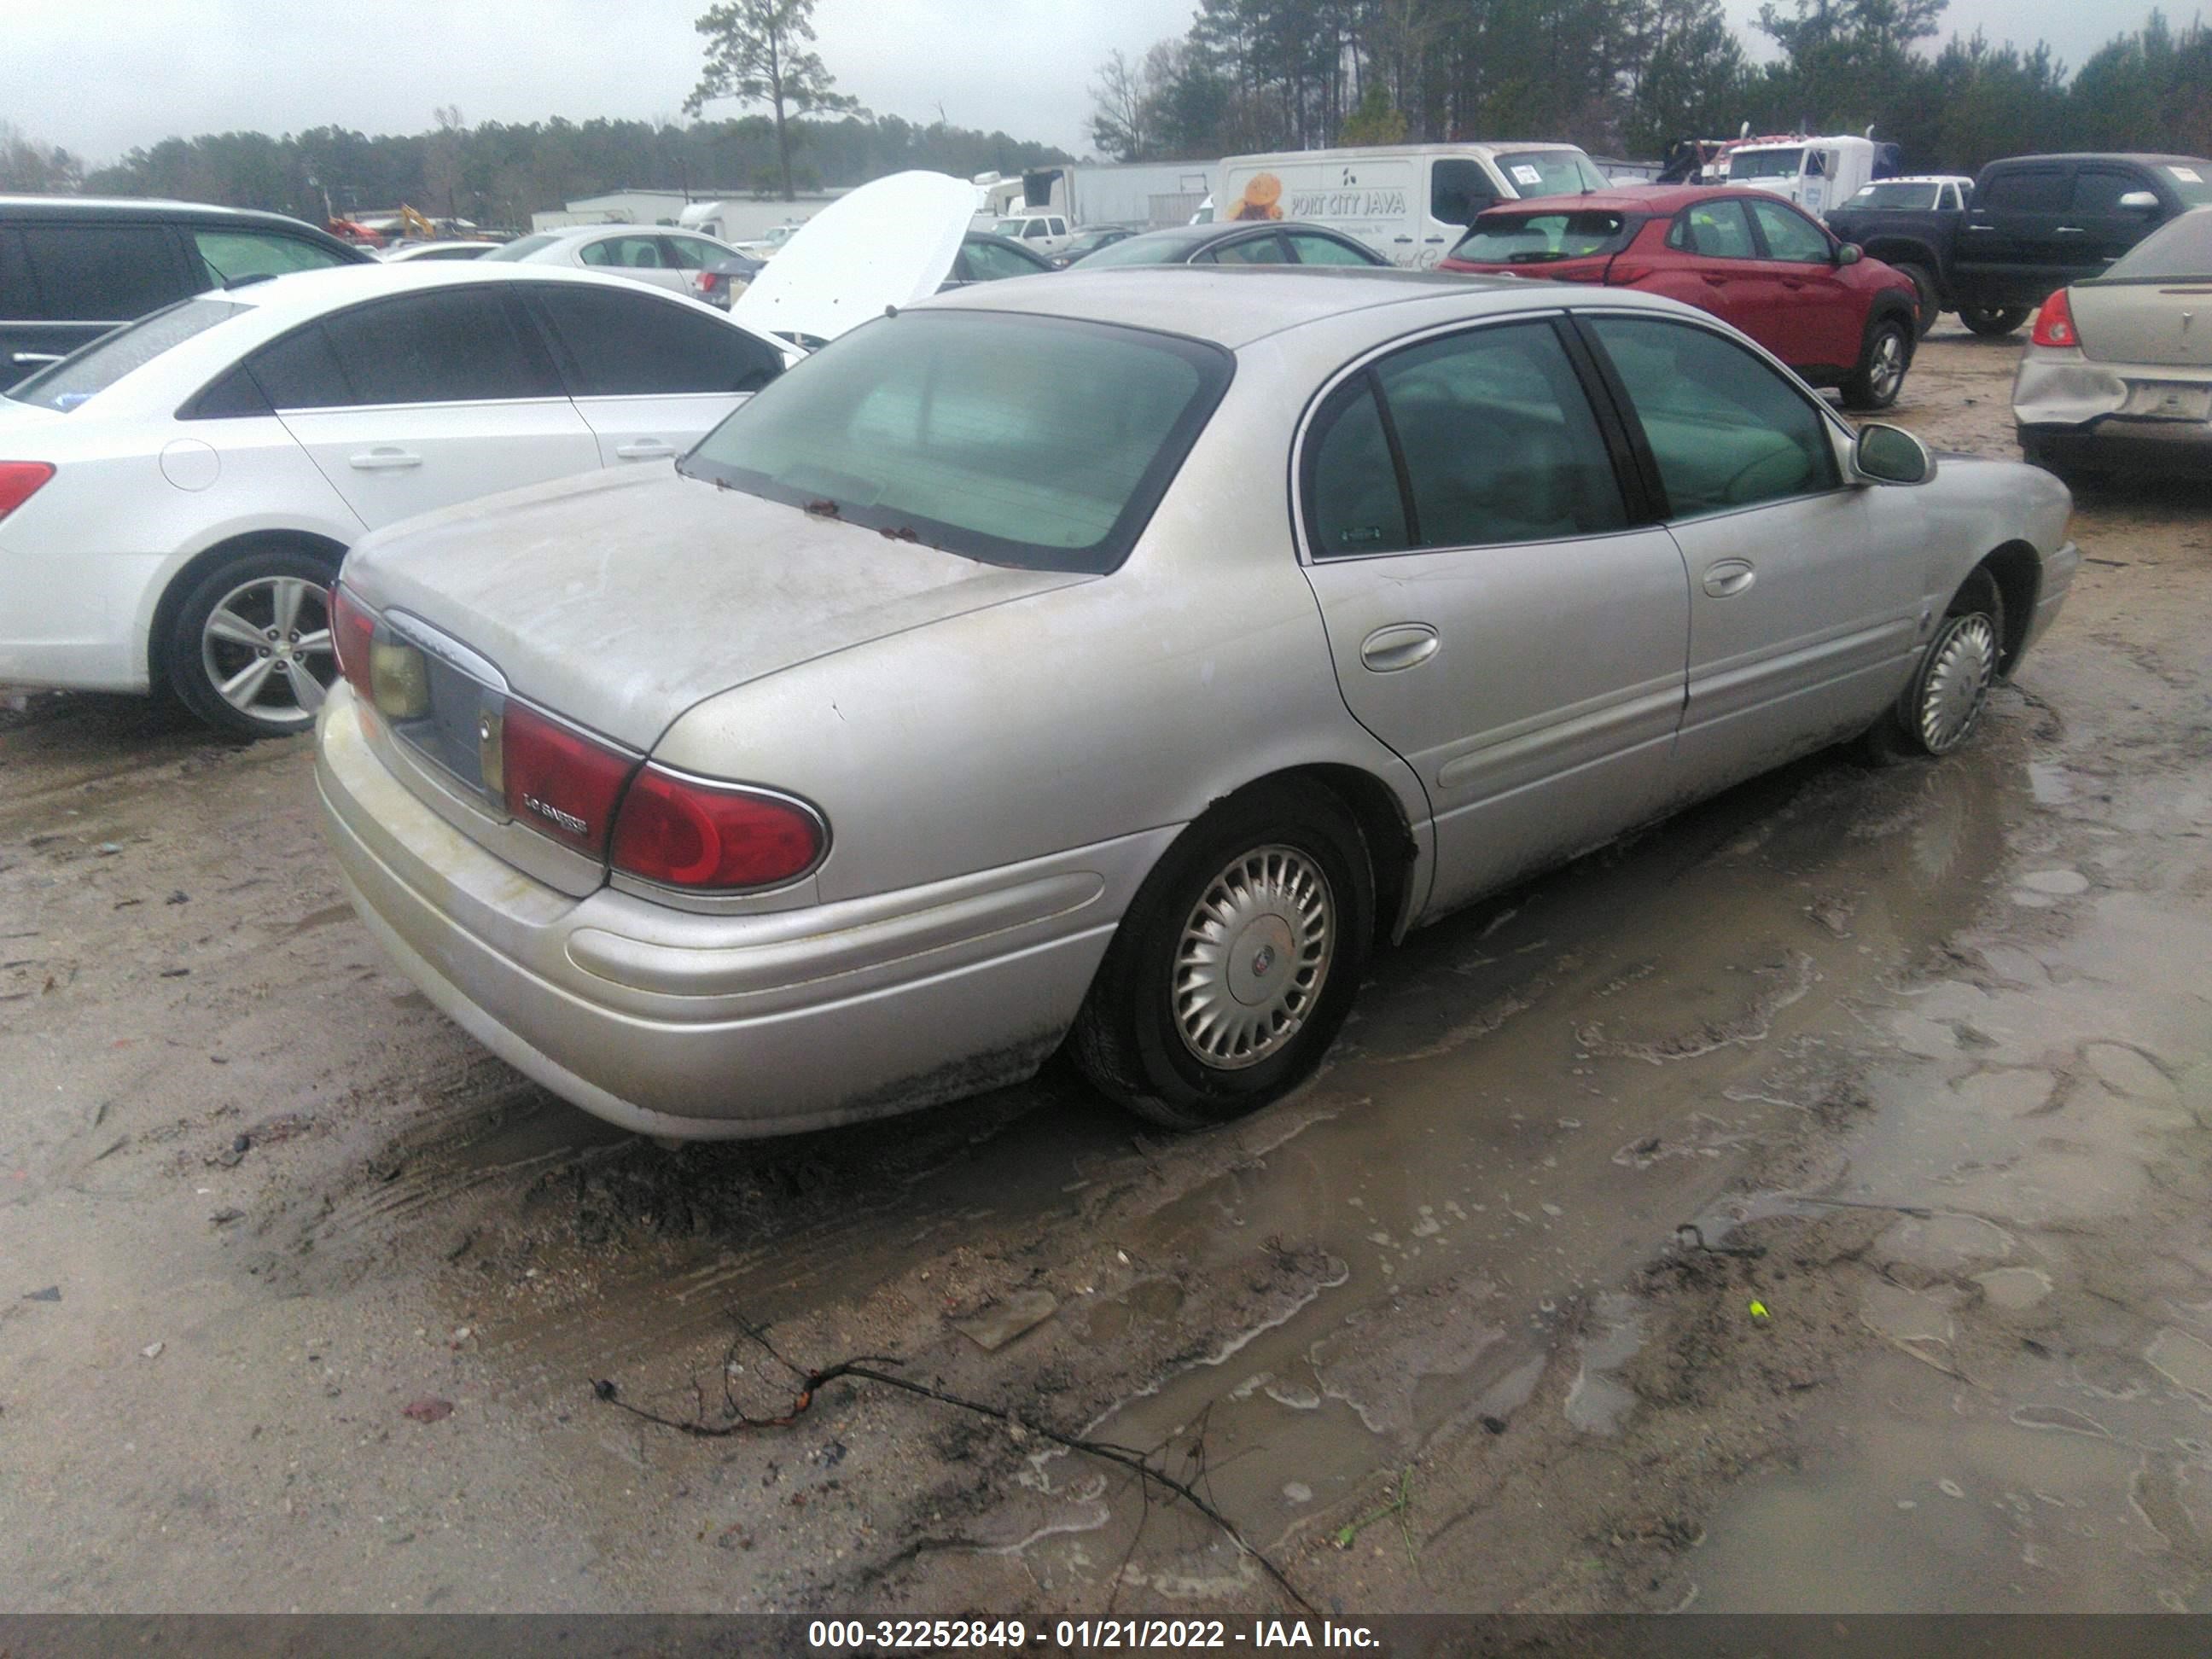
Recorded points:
(667, 258)
(176, 496)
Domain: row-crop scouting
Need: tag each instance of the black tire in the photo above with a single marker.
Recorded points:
(1885, 356)
(1930, 303)
(250, 589)
(1993, 320)
(1138, 1036)
(1941, 704)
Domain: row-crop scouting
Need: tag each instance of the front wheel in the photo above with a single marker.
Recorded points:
(1237, 963)
(249, 650)
(1886, 353)
(1941, 705)
(1993, 320)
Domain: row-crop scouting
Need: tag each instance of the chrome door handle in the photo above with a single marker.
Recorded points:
(2072, 230)
(644, 449)
(1729, 576)
(23, 359)
(1400, 646)
(1981, 230)
(383, 459)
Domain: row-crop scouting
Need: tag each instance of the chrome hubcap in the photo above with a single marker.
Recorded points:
(266, 649)
(1960, 668)
(1253, 957)
(1888, 363)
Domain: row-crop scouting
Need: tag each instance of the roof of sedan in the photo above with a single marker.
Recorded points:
(1234, 305)
(308, 293)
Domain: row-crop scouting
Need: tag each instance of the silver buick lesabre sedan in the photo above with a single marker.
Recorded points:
(1115, 661)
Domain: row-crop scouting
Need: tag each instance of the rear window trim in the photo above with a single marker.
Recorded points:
(1216, 370)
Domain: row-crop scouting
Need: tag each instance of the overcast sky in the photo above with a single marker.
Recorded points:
(99, 76)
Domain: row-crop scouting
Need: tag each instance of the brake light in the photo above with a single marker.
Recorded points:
(2054, 324)
(352, 633)
(708, 282)
(558, 781)
(682, 832)
(18, 482)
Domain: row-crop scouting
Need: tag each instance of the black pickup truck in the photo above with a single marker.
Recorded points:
(2035, 224)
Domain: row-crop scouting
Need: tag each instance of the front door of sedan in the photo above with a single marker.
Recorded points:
(1804, 611)
(1494, 614)
(419, 401)
(651, 378)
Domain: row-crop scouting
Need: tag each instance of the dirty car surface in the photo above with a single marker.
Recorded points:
(926, 718)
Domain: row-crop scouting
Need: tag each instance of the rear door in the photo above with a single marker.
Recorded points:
(650, 378)
(1496, 612)
(2009, 248)
(1803, 613)
(1722, 271)
(424, 399)
(66, 284)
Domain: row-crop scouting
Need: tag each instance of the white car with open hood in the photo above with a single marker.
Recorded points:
(176, 496)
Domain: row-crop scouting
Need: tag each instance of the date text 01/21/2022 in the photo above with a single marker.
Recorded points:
(923, 1635)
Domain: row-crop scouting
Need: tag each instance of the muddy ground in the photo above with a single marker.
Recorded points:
(1926, 1053)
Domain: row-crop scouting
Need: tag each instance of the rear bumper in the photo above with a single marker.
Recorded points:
(2069, 407)
(723, 1026)
(2122, 444)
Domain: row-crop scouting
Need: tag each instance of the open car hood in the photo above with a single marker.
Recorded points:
(888, 243)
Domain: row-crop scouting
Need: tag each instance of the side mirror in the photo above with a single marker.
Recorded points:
(1850, 253)
(2139, 201)
(1890, 454)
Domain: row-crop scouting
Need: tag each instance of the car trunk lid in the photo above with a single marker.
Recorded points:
(2168, 324)
(619, 601)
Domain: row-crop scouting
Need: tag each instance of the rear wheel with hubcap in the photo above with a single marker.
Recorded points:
(249, 650)
(1941, 705)
(1237, 963)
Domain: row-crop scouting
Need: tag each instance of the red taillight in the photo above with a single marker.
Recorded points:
(559, 782)
(708, 282)
(683, 833)
(353, 625)
(18, 482)
(2054, 324)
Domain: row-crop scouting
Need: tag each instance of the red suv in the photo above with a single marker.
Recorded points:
(1751, 258)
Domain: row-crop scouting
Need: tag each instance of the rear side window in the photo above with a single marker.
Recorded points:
(226, 255)
(92, 370)
(620, 345)
(96, 273)
(1252, 250)
(449, 345)
(2029, 190)
(1314, 250)
(627, 253)
(1716, 230)
(1726, 429)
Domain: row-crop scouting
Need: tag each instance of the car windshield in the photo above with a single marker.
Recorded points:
(2192, 182)
(1891, 195)
(523, 249)
(2178, 251)
(1534, 239)
(91, 369)
(1550, 171)
(1764, 163)
(911, 426)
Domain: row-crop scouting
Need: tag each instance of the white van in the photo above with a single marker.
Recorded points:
(1410, 203)
(1816, 173)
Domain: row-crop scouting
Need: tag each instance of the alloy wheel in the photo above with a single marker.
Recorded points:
(1886, 372)
(266, 650)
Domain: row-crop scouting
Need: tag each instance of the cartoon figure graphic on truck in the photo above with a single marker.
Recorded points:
(1262, 198)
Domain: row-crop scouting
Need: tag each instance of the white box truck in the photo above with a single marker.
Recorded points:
(1410, 203)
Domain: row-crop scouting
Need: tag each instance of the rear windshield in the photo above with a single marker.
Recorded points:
(1550, 171)
(91, 369)
(2178, 251)
(1536, 239)
(1158, 250)
(1764, 163)
(1894, 196)
(522, 249)
(913, 426)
